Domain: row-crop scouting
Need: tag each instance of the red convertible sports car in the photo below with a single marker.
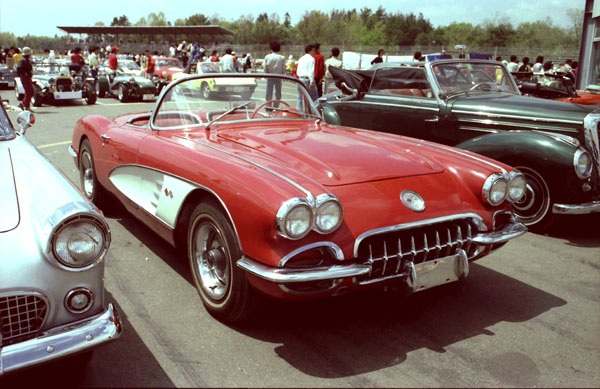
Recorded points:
(264, 196)
(165, 67)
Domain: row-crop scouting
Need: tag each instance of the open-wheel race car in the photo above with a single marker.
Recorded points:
(264, 196)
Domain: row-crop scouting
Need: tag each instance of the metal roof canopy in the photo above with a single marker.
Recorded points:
(166, 30)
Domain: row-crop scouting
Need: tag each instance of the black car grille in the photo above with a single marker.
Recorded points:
(21, 317)
(389, 250)
(63, 84)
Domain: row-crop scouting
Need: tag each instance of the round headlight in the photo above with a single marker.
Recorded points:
(79, 300)
(582, 161)
(516, 186)
(165, 75)
(79, 244)
(328, 216)
(294, 218)
(495, 189)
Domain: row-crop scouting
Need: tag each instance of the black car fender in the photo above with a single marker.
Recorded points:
(549, 154)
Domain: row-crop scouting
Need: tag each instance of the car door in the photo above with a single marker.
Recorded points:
(399, 100)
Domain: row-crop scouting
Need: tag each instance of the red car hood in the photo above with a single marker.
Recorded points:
(330, 156)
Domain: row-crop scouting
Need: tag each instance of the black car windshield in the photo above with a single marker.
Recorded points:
(459, 77)
(6, 129)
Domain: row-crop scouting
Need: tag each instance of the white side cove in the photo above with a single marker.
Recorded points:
(9, 211)
(159, 194)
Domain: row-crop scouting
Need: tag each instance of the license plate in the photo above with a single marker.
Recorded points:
(148, 97)
(239, 89)
(441, 271)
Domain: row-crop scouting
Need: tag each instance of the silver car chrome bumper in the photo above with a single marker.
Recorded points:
(285, 275)
(72, 152)
(62, 341)
(576, 209)
(500, 236)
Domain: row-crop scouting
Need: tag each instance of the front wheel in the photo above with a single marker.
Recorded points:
(212, 253)
(205, 91)
(90, 94)
(37, 98)
(535, 208)
(100, 92)
(87, 174)
(123, 93)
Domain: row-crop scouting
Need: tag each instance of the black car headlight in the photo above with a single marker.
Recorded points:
(79, 243)
(495, 189)
(294, 218)
(517, 184)
(328, 214)
(582, 162)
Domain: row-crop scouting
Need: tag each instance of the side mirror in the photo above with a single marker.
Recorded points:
(25, 120)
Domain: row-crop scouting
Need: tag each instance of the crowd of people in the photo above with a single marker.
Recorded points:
(568, 68)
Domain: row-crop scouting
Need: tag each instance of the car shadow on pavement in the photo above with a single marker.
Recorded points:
(578, 230)
(124, 362)
(368, 331)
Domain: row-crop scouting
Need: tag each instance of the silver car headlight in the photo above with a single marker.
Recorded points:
(517, 184)
(329, 214)
(494, 189)
(294, 219)
(79, 243)
(582, 161)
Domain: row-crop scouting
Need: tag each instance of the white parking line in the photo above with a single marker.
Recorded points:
(54, 144)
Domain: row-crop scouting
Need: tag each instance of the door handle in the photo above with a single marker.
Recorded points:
(105, 139)
(434, 119)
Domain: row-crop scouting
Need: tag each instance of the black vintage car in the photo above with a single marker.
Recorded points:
(476, 105)
(129, 87)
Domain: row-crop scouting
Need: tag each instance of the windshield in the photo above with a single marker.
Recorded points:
(209, 67)
(129, 65)
(6, 129)
(216, 99)
(161, 63)
(460, 77)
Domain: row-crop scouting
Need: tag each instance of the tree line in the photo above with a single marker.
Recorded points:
(348, 28)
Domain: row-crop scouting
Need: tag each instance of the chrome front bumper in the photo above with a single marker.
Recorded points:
(576, 209)
(288, 275)
(62, 341)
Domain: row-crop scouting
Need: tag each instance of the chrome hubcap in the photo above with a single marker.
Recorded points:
(88, 175)
(211, 260)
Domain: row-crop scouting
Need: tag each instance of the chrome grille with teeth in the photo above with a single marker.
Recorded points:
(390, 252)
(21, 317)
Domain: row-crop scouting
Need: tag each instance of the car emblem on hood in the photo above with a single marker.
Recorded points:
(412, 200)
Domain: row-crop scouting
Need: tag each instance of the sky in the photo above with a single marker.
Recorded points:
(42, 16)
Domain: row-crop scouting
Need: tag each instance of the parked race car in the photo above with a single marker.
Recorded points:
(7, 77)
(165, 67)
(215, 87)
(127, 87)
(60, 85)
(263, 195)
(556, 87)
(53, 246)
(475, 105)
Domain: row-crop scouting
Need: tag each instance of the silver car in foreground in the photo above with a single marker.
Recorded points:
(52, 248)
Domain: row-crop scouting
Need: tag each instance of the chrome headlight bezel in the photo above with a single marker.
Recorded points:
(323, 203)
(313, 207)
(516, 182)
(288, 209)
(494, 182)
(586, 172)
(75, 232)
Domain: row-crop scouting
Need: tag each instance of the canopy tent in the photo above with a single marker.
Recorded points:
(150, 30)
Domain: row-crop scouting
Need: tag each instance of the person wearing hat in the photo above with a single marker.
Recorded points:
(113, 63)
(25, 72)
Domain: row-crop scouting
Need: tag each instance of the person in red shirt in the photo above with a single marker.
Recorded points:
(77, 60)
(215, 56)
(150, 64)
(113, 63)
(319, 69)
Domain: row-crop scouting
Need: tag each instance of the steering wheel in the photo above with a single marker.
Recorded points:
(482, 86)
(265, 103)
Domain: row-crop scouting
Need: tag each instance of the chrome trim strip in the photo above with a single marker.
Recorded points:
(309, 195)
(412, 107)
(534, 119)
(62, 341)
(334, 248)
(420, 223)
(458, 151)
(576, 209)
(545, 129)
(590, 128)
(278, 275)
(500, 236)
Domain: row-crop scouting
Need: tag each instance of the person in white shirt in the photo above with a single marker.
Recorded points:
(513, 65)
(306, 73)
(228, 61)
(94, 62)
(539, 65)
(274, 63)
(332, 61)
